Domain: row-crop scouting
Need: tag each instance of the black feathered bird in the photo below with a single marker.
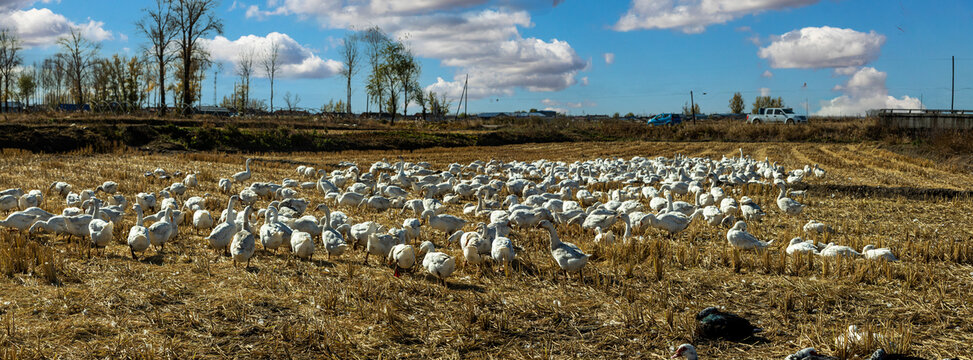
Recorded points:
(715, 324)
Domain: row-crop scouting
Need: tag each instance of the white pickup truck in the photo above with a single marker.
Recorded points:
(776, 115)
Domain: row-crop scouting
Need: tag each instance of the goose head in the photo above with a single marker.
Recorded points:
(740, 226)
(867, 248)
(685, 351)
(796, 241)
(426, 247)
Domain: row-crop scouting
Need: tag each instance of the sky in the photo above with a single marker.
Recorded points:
(826, 57)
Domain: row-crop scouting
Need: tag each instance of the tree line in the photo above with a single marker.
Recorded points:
(173, 64)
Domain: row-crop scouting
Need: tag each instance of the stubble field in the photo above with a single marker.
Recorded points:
(638, 300)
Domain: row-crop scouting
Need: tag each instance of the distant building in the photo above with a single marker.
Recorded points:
(11, 107)
(541, 113)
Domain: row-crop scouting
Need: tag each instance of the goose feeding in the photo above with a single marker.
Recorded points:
(402, 257)
(437, 263)
(302, 244)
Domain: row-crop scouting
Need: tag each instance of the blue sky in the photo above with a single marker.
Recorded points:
(522, 54)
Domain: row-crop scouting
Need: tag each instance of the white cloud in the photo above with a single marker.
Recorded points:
(486, 44)
(764, 91)
(584, 81)
(767, 74)
(549, 102)
(573, 105)
(297, 61)
(39, 27)
(609, 58)
(822, 47)
(692, 16)
(556, 109)
(865, 90)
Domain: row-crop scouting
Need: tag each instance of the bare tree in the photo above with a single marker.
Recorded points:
(291, 101)
(194, 19)
(159, 26)
(376, 41)
(9, 59)
(350, 55)
(271, 64)
(244, 68)
(78, 54)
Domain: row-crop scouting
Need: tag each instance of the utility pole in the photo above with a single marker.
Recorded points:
(952, 90)
(692, 106)
(462, 96)
(466, 92)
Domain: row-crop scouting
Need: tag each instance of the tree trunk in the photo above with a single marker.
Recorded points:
(348, 91)
(271, 94)
(162, 87)
(187, 64)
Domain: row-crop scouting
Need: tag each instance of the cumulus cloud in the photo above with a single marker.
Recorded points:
(584, 81)
(767, 74)
(764, 91)
(609, 58)
(297, 61)
(693, 16)
(822, 47)
(570, 104)
(39, 27)
(865, 90)
(486, 44)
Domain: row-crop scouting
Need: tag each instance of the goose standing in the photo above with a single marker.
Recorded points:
(333, 242)
(379, 245)
(222, 234)
(568, 256)
(99, 230)
(272, 232)
(243, 244)
(502, 252)
(787, 205)
(225, 185)
(109, 187)
(20, 220)
(243, 175)
(162, 230)
(604, 237)
(446, 223)
(302, 244)
(740, 238)
(138, 235)
(436, 263)
(202, 219)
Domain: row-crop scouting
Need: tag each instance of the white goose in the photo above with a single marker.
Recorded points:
(379, 245)
(225, 185)
(817, 227)
(99, 230)
(832, 250)
(568, 256)
(138, 235)
(503, 252)
(740, 238)
(20, 220)
(799, 246)
(202, 219)
(445, 223)
(872, 253)
(161, 231)
(243, 244)
(402, 256)
(272, 232)
(222, 234)
(243, 175)
(436, 263)
(787, 205)
(302, 244)
(604, 237)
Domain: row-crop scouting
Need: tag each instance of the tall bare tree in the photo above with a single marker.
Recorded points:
(78, 55)
(9, 59)
(244, 68)
(351, 57)
(271, 64)
(194, 19)
(159, 26)
(375, 40)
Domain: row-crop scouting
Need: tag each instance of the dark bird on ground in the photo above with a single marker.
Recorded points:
(715, 324)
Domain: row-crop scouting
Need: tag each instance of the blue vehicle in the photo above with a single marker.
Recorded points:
(665, 119)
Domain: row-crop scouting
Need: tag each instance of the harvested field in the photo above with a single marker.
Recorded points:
(638, 300)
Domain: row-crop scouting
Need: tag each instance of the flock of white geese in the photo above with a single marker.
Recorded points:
(503, 196)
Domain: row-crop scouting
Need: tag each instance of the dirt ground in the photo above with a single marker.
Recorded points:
(637, 300)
